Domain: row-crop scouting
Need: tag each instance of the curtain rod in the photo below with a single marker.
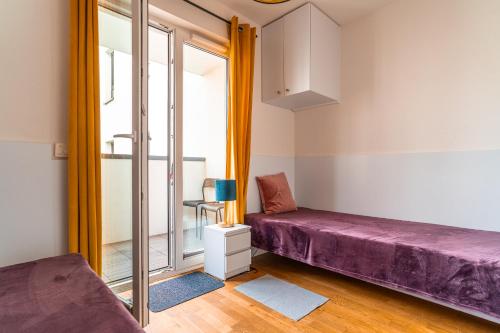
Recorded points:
(211, 13)
(207, 11)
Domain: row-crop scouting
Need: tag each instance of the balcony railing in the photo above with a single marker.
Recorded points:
(116, 171)
(151, 158)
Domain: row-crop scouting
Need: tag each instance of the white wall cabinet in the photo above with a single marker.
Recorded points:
(273, 85)
(301, 60)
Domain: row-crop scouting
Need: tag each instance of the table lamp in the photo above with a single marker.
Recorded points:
(225, 190)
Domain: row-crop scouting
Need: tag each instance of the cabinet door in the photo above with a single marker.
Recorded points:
(325, 55)
(272, 61)
(297, 47)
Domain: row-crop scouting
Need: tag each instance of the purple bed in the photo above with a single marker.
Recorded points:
(59, 294)
(453, 266)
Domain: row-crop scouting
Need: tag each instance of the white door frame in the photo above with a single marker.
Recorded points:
(140, 232)
(181, 264)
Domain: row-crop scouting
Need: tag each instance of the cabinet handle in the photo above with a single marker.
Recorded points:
(287, 90)
(278, 92)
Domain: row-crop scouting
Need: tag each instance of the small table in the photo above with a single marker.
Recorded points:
(227, 250)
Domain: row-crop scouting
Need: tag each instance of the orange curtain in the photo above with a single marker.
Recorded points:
(84, 154)
(239, 127)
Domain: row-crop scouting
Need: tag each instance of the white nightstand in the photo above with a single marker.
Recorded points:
(227, 250)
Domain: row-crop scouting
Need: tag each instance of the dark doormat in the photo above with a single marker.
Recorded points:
(178, 290)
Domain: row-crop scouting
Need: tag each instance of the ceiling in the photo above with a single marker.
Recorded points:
(342, 11)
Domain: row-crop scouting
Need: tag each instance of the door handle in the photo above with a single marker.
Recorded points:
(132, 136)
(171, 174)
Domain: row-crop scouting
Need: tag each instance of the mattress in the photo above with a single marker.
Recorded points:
(59, 294)
(457, 266)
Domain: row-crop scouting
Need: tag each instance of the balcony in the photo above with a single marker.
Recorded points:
(117, 213)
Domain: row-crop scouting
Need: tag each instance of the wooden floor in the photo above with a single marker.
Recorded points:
(354, 306)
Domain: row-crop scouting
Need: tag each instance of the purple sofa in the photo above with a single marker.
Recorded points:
(59, 294)
(455, 266)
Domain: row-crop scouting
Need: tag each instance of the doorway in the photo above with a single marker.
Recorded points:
(156, 154)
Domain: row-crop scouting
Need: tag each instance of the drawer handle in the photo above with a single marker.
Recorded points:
(228, 254)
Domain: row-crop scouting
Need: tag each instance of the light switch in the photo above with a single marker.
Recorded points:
(60, 150)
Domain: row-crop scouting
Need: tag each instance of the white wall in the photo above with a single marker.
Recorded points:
(451, 188)
(34, 39)
(417, 76)
(32, 202)
(416, 135)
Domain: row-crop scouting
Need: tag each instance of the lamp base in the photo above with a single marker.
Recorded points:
(226, 225)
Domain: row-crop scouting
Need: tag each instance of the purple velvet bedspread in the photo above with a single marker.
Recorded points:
(59, 294)
(454, 265)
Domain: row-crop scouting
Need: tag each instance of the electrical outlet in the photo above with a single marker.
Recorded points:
(60, 150)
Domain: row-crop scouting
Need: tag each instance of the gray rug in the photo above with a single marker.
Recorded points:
(181, 289)
(287, 298)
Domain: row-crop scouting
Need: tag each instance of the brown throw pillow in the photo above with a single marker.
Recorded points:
(275, 194)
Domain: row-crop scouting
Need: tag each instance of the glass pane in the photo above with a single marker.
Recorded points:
(204, 141)
(158, 149)
(115, 39)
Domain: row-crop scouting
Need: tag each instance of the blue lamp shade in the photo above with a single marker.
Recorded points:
(225, 190)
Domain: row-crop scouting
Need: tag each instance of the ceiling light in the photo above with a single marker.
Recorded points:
(270, 2)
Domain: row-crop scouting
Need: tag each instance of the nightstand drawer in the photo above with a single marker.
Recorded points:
(237, 243)
(238, 260)
(227, 250)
